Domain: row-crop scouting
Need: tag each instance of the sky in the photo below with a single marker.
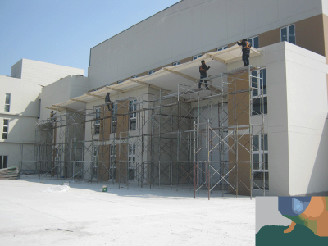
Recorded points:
(63, 31)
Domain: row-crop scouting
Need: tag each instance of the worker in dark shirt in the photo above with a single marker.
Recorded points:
(108, 102)
(203, 74)
(246, 49)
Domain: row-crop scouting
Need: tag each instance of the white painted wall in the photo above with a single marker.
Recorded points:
(188, 28)
(42, 72)
(324, 6)
(61, 91)
(25, 87)
(307, 112)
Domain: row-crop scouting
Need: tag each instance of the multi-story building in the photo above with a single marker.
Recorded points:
(261, 127)
(20, 109)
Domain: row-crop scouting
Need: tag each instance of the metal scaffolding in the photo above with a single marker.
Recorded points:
(199, 139)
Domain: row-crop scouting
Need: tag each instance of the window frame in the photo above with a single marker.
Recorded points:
(113, 123)
(132, 161)
(195, 57)
(7, 102)
(288, 33)
(112, 161)
(96, 123)
(260, 80)
(5, 126)
(263, 163)
(222, 48)
(133, 114)
(252, 39)
(2, 158)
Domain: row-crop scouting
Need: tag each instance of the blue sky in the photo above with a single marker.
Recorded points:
(63, 31)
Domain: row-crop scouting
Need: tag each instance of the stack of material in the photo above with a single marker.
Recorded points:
(9, 173)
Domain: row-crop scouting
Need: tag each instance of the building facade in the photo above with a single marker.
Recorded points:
(20, 109)
(259, 129)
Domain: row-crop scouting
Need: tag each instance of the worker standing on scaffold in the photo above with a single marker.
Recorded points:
(108, 102)
(203, 74)
(246, 49)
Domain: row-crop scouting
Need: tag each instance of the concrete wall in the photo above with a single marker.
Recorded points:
(296, 120)
(61, 91)
(307, 112)
(188, 28)
(277, 118)
(42, 72)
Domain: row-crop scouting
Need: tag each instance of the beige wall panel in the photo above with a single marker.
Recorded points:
(105, 124)
(310, 35)
(238, 103)
(269, 37)
(325, 31)
(103, 163)
(122, 118)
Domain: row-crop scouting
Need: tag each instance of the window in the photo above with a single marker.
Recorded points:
(96, 123)
(114, 118)
(254, 41)
(133, 114)
(196, 56)
(3, 161)
(287, 34)
(94, 161)
(132, 161)
(5, 129)
(260, 161)
(7, 102)
(134, 76)
(259, 96)
(151, 72)
(222, 48)
(176, 63)
(112, 162)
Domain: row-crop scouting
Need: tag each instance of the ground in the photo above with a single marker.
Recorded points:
(49, 212)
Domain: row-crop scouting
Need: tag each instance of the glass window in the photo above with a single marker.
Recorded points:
(133, 114)
(222, 48)
(197, 56)
(7, 102)
(114, 119)
(287, 34)
(259, 102)
(3, 161)
(260, 161)
(132, 161)
(97, 120)
(5, 127)
(254, 41)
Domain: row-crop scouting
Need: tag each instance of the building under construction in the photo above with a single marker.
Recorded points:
(258, 129)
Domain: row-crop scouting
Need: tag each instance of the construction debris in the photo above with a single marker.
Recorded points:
(9, 173)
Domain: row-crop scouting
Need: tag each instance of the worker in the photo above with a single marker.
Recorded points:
(203, 74)
(246, 49)
(108, 102)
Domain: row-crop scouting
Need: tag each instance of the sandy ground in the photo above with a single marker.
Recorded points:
(34, 212)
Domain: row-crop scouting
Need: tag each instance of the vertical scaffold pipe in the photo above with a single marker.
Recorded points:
(194, 159)
(250, 93)
(208, 177)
